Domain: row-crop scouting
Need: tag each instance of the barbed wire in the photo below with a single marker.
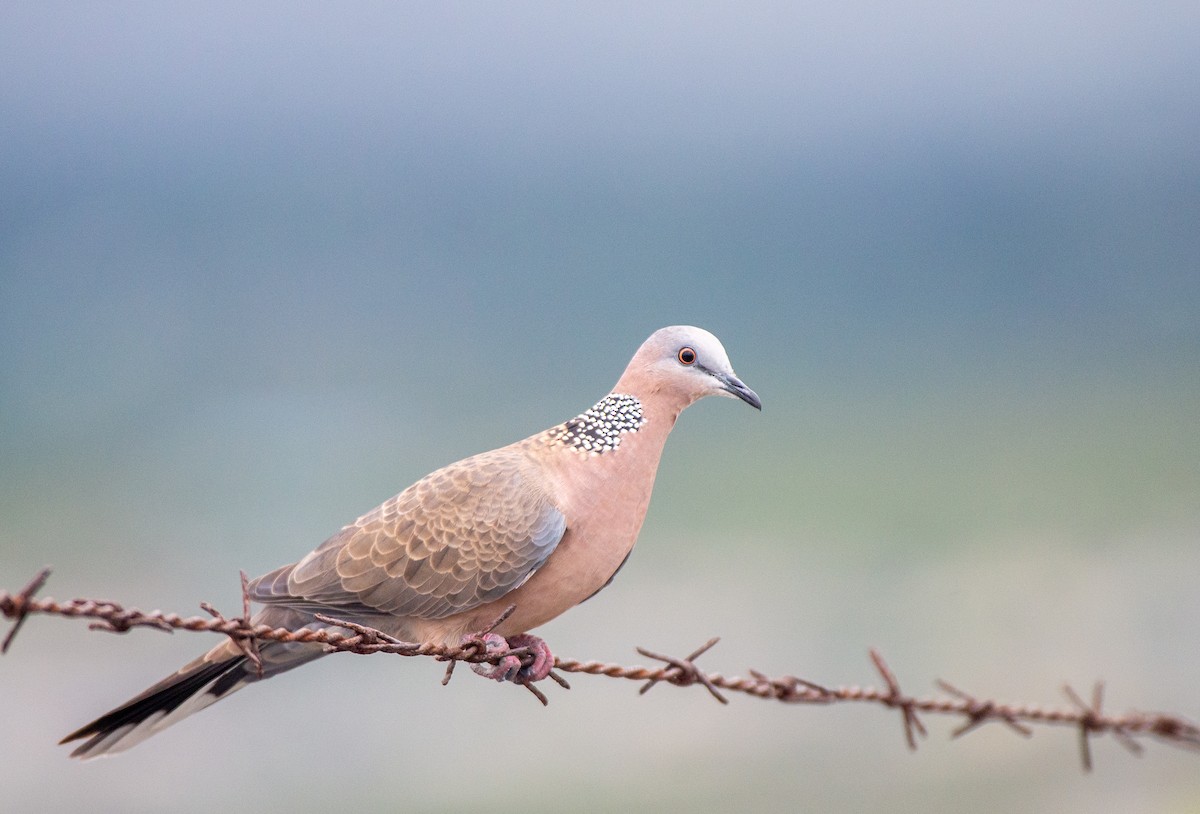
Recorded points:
(1087, 717)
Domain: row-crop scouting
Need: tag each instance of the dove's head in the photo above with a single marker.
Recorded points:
(683, 364)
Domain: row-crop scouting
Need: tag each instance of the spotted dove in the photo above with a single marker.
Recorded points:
(541, 525)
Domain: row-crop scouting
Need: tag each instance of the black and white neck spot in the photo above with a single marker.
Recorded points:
(599, 428)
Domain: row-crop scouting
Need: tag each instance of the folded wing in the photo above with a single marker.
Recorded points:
(463, 536)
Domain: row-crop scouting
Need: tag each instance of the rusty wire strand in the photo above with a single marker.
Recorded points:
(1088, 719)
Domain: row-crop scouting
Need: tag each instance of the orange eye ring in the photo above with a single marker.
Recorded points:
(686, 356)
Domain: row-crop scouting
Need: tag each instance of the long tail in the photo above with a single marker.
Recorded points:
(197, 685)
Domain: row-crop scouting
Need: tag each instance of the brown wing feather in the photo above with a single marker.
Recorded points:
(460, 537)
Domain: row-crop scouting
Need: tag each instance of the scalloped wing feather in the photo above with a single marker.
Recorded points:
(463, 536)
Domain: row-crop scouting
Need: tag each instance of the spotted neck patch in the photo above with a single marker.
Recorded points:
(599, 429)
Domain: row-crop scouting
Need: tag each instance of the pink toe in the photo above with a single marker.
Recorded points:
(506, 669)
(543, 659)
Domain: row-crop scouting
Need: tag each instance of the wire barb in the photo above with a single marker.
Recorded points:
(20, 604)
(368, 635)
(239, 630)
(1088, 720)
(980, 712)
(792, 689)
(683, 672)
(894, 698)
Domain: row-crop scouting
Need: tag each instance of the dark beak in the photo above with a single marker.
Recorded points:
(738, 388)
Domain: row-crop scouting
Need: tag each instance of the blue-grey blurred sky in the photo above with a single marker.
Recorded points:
(262, 265)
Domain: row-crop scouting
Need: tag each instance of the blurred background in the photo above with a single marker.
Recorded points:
(263, 266)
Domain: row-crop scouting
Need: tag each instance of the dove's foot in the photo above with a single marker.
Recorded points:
(543, 659)
(509, 668)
